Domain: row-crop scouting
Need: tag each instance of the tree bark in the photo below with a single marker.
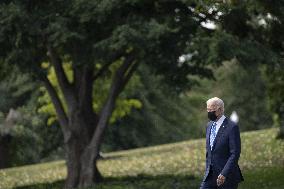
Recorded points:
(76, 145)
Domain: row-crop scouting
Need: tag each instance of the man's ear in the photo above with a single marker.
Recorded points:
(219, 111)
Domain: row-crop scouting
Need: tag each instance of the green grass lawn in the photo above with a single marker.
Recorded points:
(170, 166)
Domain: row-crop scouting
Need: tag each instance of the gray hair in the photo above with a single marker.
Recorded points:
(216, 101)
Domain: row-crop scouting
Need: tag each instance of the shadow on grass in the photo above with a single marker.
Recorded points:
(133, 182)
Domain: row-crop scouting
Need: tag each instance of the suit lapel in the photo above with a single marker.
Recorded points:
(208, 135)
(220, 132)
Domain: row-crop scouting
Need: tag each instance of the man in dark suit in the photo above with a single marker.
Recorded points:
(223, 148)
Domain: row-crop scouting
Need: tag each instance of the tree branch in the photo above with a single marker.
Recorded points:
(64, 84)
(118, 81)
(102, 71)
(62, 117)
(129, 74)
(109, 61)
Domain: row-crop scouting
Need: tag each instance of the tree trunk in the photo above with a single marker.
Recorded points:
(82, 128)
(73, 152)
(75, 148)
(90, 174)
(75, 162)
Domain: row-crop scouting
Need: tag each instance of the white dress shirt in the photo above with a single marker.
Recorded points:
(219, 123)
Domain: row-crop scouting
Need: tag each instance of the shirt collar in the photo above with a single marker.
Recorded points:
(220, 121)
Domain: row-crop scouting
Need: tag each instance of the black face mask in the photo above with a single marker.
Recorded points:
(212, 116)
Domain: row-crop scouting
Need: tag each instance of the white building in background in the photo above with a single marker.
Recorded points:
(234, 117)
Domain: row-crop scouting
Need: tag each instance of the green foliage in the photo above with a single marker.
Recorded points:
(91, 32)
(273, 39)
(15, 90)
(250, 34)
(26, 142)
(31, 140)
(244, 91)
(124, 105)
(275, 85)
(267, 21)
(46, 107)
(164, 117)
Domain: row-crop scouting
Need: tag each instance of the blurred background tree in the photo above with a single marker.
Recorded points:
(25, 136)
(263, 21)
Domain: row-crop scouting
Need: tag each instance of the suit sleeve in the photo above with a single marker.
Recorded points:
(235, 150)
(206, 147)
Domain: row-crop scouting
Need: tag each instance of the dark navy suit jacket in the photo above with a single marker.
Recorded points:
(223, 158)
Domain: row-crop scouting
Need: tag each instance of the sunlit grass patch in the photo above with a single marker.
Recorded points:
(38, 173)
